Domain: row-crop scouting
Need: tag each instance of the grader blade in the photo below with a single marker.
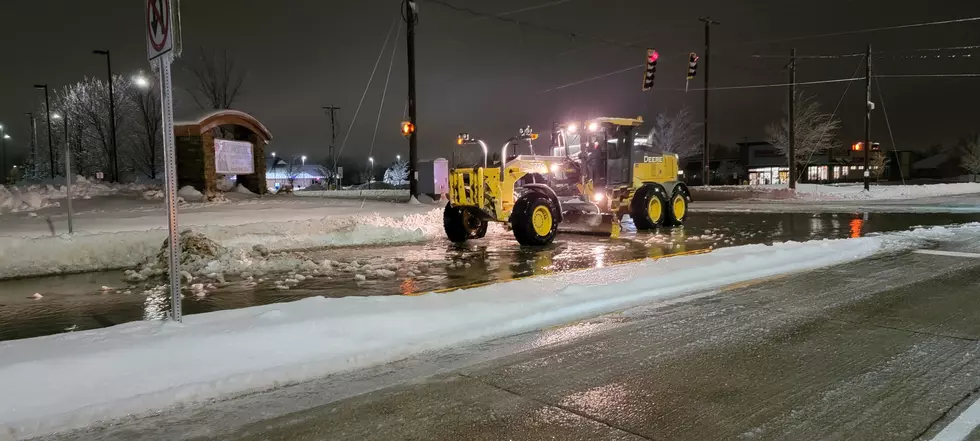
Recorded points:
(577, 222)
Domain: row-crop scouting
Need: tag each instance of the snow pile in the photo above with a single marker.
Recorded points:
(190, 194)
(36, 196)
(123, 249)
(356, 194)
(820, 192)
(137, 367)
(242, 190)
(225, 183)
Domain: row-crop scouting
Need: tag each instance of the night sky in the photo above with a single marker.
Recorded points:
(488, 78)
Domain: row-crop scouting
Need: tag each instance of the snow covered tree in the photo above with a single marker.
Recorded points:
(815, 131)
(879, 163)
(676, 133)
(397, 174)
(970, 148)
(86, 105)
(218, 80)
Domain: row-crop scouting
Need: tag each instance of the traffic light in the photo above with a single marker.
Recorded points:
(692, 66)
(857, 147)
(408, 128)
(651, 70)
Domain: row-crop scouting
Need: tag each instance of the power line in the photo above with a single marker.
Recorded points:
(538, 27)
(384, 93)
(366, 87)
(955, 75)
(863, 31)
(529, 8)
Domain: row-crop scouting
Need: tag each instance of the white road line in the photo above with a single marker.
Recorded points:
(949, 253)
(962, 426)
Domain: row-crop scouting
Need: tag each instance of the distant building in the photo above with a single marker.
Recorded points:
(280, 172)
(766, 165)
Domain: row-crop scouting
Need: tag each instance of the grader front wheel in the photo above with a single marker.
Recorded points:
(534, 220)
(461, 224)
(649, 207)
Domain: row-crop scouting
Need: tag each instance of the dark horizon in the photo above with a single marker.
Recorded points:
(488, 77)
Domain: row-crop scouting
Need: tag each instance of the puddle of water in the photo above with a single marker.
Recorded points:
(76, 302)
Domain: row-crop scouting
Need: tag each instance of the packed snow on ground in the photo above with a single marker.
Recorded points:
(143, 366)
(125, 242)
(35, 196)
(354, 194)
(820, 192)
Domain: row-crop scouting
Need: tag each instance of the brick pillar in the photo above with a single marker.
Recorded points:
(209, 178)
(256, 182)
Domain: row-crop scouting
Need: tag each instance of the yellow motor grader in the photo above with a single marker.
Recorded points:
(584, 187)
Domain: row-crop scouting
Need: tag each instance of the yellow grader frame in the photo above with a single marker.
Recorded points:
(588, 190)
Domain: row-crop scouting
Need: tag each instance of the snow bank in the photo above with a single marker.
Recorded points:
(819, 192)
(20, 257)
(355, 194)
(142, 366)
(241, 189)
(35, 196)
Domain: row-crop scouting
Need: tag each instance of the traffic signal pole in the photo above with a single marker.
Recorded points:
(411, 18)
(792, 120)
(867, 119)
(706, 180)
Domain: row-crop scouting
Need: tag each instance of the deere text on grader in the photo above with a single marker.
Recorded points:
(584, 187)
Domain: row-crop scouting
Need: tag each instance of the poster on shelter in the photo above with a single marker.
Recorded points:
(233, 157)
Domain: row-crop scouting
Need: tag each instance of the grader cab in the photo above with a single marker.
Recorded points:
(592, 179)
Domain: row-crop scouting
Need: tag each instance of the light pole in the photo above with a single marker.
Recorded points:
(33, 139)
(47, 110)
(112, 113)
(71, 228)
(3, 155)
(371, 178)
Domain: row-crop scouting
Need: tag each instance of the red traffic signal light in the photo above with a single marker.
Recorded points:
(651, 70)
(692, 66)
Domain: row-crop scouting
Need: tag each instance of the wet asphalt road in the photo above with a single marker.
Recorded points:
(77, 302)
(886, 348)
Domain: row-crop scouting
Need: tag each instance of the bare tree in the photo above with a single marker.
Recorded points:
(146, 154)
(879, 162)
(218, 80)
(815, 130)
(730, 170)
(676, 134)
(970, 148)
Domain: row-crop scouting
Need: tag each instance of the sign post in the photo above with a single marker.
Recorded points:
(159, 49)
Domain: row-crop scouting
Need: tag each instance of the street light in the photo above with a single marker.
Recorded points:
(57, 116)
(371, 178)
(112, 113)
(140, 81)
(303, 158)
(398, 158)
(273, 155)
(47, 110)
(3, 146)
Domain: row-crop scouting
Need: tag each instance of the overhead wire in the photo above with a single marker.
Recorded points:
(384, 93)
(891, 135)
(860, 31)
(833, 114)
(366, 87)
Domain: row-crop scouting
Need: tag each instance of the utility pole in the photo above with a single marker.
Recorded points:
(112, 113)
(333, 136)
(410, 15)
(869, 106)
(792, 119)
(47, 110)
(33, 140)
(706, 158)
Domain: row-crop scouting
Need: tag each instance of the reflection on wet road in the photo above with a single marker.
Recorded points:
(78, 302)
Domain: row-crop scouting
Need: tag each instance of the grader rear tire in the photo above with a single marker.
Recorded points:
(534, 220)
(677, 207)
(649, 207)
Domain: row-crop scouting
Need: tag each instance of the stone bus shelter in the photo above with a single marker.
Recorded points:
(195, 141)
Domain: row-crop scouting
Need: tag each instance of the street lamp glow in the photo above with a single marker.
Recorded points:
(398, 157)
(303, 158)
(6, 136)
(273, 154)
(56, 115)
(371, 159)
(141, 81)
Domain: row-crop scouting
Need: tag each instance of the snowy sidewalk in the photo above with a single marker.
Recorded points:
(137, 367)
(123, 238)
